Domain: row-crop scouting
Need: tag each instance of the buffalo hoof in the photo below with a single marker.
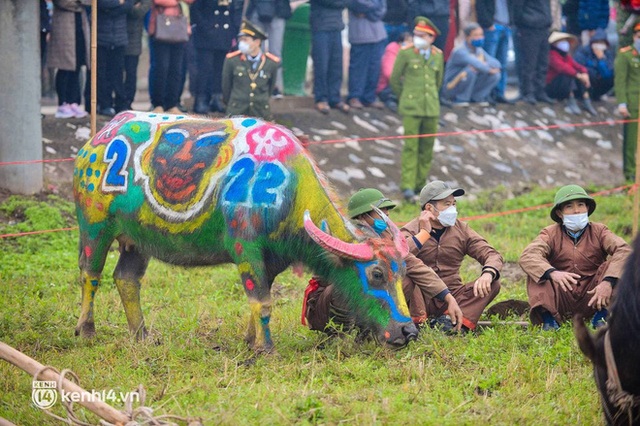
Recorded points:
(86, 330)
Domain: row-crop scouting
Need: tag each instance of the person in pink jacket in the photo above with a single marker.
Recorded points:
(388, 59)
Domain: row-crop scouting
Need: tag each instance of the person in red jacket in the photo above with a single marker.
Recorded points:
(567, 79)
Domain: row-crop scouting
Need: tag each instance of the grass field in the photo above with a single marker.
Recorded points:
(196, 363)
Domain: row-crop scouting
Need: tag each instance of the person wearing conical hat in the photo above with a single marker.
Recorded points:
(249, 75)
(567, 79)
(627, 89)
(572, 266)
(416, 80)
(320, 306)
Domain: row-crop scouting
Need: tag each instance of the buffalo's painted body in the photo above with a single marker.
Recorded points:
(192, 191)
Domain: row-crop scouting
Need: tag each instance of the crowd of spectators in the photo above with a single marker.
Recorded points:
(561, 53)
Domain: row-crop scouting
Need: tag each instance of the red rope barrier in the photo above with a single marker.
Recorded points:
(438, 134)
(631, 187)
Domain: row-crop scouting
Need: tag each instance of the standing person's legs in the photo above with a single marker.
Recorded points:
(501, 54)
(376, 50)
(321, 55)
(629, 145)
(115, 77)
(491, 41)
(409, 156)
(428, 125)
(104, 88)
(334, 69)
(358, 60)
(216, 104)
(161, 75)
(204, 89)
(542, 60)
(130, 80)
(175, 82)
(275, 41)
(526, 55)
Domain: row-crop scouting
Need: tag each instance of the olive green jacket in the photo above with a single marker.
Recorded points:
(417, 81)
(237, 91)
(627, 78)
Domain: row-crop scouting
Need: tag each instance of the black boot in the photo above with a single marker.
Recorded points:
(216, 104)
(201, 106)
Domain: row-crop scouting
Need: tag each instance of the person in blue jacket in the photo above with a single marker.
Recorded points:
(598, 58)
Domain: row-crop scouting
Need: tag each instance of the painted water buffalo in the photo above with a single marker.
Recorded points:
(615, 349)
(191, 191)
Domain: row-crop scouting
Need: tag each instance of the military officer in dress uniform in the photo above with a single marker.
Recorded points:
(416, 80)
(627, 88)
(249, 75)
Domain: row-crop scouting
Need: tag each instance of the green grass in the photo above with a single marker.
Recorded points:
(196, 363)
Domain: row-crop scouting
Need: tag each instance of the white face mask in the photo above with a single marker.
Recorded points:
(575, 222)
(563, 46)
(599, 46)
(448, 216)
(420, 43)
(244, 47)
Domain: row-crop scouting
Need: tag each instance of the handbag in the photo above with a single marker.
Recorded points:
(172, 29)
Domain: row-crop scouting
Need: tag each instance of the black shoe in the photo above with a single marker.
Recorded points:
(216, 104)
(442, 323)
(109, 112)
(530, 99)
(201, 106)
(445, 102)
(277, 94)
(182, 108)
(543, 97)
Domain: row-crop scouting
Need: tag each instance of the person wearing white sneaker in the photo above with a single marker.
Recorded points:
(78, 111)
(64, 111)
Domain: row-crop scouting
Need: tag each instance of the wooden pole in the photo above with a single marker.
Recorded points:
(636, 193)
(32, 366)
(94, 65)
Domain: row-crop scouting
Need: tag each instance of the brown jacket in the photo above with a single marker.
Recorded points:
(61, 52)
(553, 248)
(445, 257)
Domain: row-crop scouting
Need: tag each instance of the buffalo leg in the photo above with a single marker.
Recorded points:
(129, 270)
(258, 289)
(93, 253)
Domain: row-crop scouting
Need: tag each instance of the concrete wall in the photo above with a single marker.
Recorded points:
(20, 123)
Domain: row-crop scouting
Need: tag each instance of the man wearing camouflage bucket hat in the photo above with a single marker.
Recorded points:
(439, 240)
(572, 266)
(320, 307)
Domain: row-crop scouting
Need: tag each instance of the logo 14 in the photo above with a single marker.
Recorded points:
(44, 393)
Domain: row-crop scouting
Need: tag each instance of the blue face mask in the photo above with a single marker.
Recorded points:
(477, 42)
(636, 45)
(379, 226)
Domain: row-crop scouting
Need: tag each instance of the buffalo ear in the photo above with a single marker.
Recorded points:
(584, 338)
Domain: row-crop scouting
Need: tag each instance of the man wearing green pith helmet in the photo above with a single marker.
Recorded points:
(321, 308)
(573, 265)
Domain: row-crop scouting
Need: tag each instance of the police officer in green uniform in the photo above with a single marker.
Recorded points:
(416, 80)
(627, 89)
(249, 75)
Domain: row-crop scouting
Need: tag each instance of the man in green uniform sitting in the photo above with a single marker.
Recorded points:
(416, 80)
(249, 75)
(627, 88)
